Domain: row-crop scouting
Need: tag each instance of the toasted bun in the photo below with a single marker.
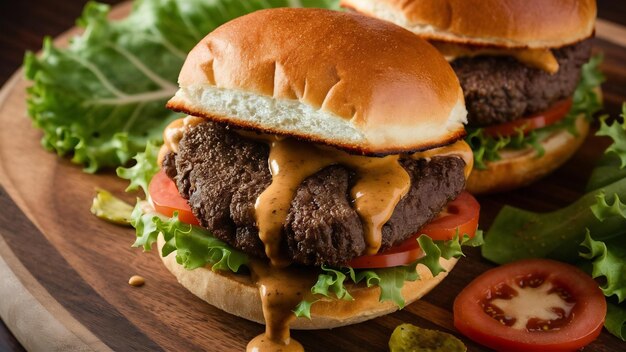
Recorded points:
(335, 78)
(504, 23)
(237, 295)
(520, 168)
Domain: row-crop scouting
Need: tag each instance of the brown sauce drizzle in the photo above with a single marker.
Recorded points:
(380, 184)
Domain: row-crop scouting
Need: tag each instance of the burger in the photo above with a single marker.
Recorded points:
(317, 179)
(519, 63)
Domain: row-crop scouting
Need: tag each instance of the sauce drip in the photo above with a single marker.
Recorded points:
(281, 290)
(542, 59)
(380, 184)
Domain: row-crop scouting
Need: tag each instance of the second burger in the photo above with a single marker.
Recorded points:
(525, 69)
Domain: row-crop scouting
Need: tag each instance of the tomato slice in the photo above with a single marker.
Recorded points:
(460, 215)
(555, 113)
(531, 305)
(166, 199)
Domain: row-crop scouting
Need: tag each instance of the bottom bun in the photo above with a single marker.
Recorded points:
(238, 295)
(518, 168)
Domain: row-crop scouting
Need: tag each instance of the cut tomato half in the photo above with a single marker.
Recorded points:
(460, 216)
(531, 305)
(166, 199)
(546, 118)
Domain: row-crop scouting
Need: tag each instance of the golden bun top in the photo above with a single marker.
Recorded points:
(335, 78)
(504, 23)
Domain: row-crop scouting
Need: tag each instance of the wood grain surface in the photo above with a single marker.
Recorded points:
(73, 268)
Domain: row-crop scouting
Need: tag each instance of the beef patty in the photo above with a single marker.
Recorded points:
(222, 174)
(499, 89)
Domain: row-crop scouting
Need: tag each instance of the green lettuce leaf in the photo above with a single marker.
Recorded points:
(616, 320)
(586, 101)
(517, 234)
(487, 148)
(608, 261)
(102, 98)
(603, 210)
(331, 282)
(194, 246)
(607, 171)
(140, 174)
(617, 132)
(145, 228)
(303, 309)
(610, 168)
(390, 281)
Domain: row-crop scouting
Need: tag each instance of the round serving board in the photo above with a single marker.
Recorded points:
(64, 272)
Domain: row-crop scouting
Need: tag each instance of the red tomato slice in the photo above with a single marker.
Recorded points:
(166, 199)
(527, 124)
(460, 215)
(531, 305)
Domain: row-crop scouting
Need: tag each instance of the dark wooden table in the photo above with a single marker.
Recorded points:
(23, 24)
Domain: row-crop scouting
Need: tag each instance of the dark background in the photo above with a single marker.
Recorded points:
(24, 23)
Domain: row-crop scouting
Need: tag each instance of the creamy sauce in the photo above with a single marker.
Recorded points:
(173, 133)
(281, 290)
(162, 153)
(460, 149)
(542, 59)
(380, 184)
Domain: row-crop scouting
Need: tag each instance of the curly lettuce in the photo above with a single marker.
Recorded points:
(195, 247)
(331, 281)
(608, 261)
(586, 101)
(610, 168)
(140, 174)
(103, 97)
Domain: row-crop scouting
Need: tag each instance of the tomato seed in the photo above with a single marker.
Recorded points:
(531, 280)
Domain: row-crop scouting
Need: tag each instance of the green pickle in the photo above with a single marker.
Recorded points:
(410, 338)
(110, 208)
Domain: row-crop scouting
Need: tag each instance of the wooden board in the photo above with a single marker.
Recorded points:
(64, 272)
